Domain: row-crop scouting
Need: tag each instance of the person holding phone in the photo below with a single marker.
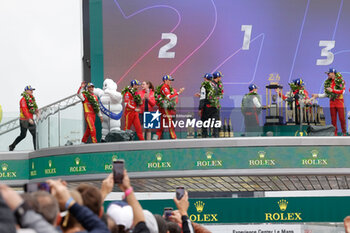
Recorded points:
(124, 185)
(182, 205)
(91, 108)
(28, 107)
(148, 103)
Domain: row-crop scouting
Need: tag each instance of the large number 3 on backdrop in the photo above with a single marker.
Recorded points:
(325, 52)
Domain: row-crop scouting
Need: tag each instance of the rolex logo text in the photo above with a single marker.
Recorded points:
(283, 216)
(200, 217)
(50, 170)
(6, 173)
(209, 161)
(77, 167)
(33, 171)
(261, 160)
(159, 163)
(315, 160)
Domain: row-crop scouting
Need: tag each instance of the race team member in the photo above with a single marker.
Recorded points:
(28, 107)
(166, 98)
(207, 77)
(148, 103)
(297, 93)
(209, 105)
(91, 107)
(334, 88)
(132, 101)
(251, 108)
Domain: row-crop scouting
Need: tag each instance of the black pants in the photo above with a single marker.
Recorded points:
(214, 115)
(251, 122)
(24, 127)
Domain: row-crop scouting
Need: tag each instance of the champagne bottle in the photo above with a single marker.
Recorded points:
(226, 129)
(230, 129)
(222, 130)
(199, 133)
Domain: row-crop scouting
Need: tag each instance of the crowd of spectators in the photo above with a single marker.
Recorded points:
(81, 210)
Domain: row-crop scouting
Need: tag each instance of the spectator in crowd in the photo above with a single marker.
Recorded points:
(47, 206)
(122, 215)
(151, 221)
(347, 224)
(25, 216)
(92, 198)
(69, 223)
(173, 227)
(88, 220)
(162, 226)
(81, 211)
(148, 103)
(139, 217)
(7, 221)
(28, 107)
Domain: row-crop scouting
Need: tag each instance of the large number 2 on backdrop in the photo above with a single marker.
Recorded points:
(325, 52)
(163, 51)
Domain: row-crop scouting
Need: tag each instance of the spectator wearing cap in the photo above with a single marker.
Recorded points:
(334, 88)
(132, 101)
(28, 107)
(251, 108)
(166, 98)
(91, 108)
(298, 93)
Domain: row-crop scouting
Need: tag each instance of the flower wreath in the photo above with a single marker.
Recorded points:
(301, 90)
(92, 101)
(31, 103)
(137, 98)
(162, 100)
(339, 85)
(212, 96)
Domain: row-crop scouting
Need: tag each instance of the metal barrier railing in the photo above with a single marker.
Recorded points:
(45, 112)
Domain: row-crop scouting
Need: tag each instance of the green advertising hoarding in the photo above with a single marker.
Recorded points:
(259, 210)
(179, 159)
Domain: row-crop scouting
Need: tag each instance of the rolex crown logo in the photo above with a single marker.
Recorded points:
(314, 153)
(209, 154)
(50, 163)
(77, 161)
(32, 165)
(282, 204)
(114, 158)
(4, 167)
(261, 154)
(199, 206)
(159, 156)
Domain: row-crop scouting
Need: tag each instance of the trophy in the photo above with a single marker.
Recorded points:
(273, 105)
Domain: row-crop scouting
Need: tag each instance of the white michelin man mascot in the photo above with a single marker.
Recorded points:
(111, 106)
